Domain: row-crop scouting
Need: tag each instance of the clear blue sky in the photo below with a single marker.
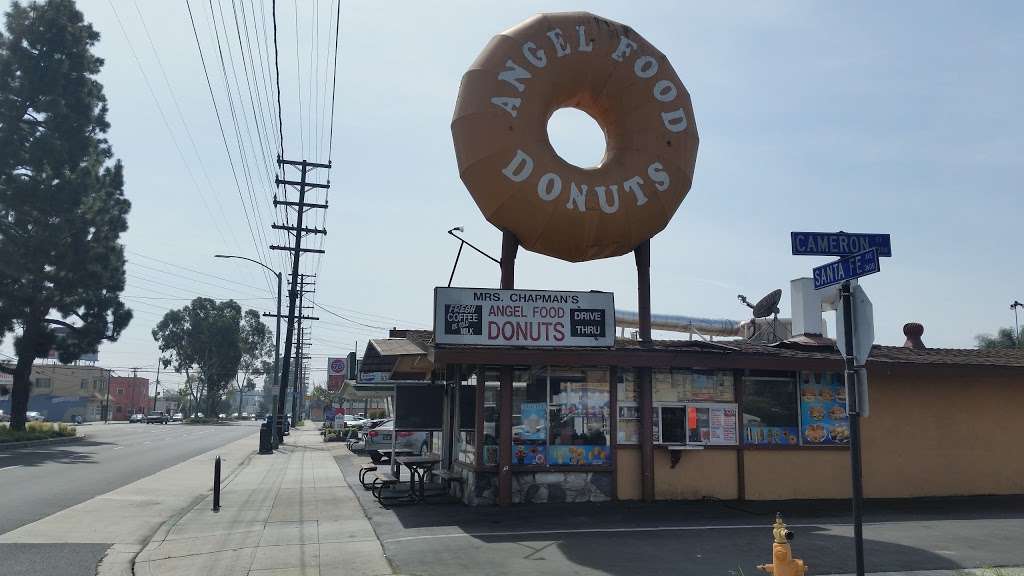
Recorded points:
(863, 116)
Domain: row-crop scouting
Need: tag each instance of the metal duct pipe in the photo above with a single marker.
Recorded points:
(675, 323)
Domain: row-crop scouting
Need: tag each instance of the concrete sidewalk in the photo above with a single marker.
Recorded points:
(291, 513)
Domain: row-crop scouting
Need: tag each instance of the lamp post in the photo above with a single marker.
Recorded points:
(277, 337)
(464, 242)
(1016, 326)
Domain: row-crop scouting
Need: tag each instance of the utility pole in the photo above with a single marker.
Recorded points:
(156, 389)
(300, 343)
(298, 232)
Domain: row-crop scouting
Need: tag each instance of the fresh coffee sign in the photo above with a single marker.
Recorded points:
(529, 318)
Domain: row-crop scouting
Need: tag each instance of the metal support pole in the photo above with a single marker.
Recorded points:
(274, 438)
(509, 248)
(456, 264)
(156, 389)
(854, 414)
(642, 255)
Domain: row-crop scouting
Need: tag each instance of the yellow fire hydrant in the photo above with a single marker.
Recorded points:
(783, 563)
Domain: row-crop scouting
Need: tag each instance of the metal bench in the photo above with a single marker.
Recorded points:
(362, 475)
(384, 481)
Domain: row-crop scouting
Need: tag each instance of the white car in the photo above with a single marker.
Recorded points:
(178, 417)
(136, 418)
(221, 416)
(34, 417)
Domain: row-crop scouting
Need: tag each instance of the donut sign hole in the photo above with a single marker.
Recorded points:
(577, 137)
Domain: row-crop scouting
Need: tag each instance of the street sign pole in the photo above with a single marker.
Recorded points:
(853, 411)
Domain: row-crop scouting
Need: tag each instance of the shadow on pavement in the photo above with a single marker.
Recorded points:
(43, 454)
(691, 537)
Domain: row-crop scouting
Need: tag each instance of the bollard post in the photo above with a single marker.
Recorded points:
(216, 485)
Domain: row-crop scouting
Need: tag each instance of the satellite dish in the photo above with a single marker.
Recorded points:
(768, 305)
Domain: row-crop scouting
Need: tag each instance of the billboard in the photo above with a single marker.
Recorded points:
(527, 318)
(337, 371)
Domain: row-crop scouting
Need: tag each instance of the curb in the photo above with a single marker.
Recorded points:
(46, 442)
(125, 563)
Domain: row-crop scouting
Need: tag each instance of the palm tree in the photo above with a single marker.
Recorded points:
(1005, 338)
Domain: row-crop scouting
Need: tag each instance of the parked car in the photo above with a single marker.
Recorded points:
(136, 418)
(379, 439)
(155, 417)
(222, 416)
(4, 417)
(34, 417)
(178, 417)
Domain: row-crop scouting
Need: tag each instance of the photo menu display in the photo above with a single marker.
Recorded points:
(823, 418)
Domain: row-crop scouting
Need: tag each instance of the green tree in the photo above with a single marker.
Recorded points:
(257, 346)
(1004, 338)
(62, 204)
(203, 339)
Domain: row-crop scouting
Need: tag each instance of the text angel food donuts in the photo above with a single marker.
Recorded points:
(521, 185)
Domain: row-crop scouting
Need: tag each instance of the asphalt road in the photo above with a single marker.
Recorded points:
(41, 480)
(693, 538)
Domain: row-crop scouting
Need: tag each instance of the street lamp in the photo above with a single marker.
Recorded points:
(1016, 326)
(277, 339)
(464, 242)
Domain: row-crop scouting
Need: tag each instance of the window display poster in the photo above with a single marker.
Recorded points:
(628, 432)
(528, 454)
(534, 422)
(579, 454)
(759, 435)
(823, 418)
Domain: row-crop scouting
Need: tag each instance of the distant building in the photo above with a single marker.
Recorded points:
(129, 395)
(251, 400)
(61, 392)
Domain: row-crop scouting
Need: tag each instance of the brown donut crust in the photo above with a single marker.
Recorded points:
(505, 101)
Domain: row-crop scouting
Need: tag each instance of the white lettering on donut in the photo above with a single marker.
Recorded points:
(534, 55)
(665, 91)
(606, 207)
(633, 185)
(645, 67)
(625, 47)
(657, 173)
(584, 45)
(675, 120)
(519, 168)
(577, 196)
(511, 105)
(513, 74)
(549, 187)
(561, 46)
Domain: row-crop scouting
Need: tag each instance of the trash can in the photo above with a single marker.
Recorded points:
(266, 442)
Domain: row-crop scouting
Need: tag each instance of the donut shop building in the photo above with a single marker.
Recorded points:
(724, 419)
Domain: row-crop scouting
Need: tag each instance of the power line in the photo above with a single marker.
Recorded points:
(195, 31)
(333, 313)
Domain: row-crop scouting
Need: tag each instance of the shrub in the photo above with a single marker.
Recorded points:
(37, 431)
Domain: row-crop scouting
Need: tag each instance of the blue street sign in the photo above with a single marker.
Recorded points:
(838, 243)
(846, 268)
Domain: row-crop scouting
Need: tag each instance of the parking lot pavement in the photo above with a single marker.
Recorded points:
(709, 537)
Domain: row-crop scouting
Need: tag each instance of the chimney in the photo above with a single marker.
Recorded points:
(913, 332)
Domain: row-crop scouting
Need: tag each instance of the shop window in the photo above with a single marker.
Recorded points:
(465, 448)
(492, 407)
(578, 416)
(628, 426)
(770, 414)
(695, 407)
(823, 418)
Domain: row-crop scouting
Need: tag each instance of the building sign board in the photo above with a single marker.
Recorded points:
(337, 370)
(838, 243)
(534, 318)
(846, 268)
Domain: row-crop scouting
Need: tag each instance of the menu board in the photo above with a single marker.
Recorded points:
(823, 418)
(627, 386)
(691, 385)
(628, 429)
(722, 424)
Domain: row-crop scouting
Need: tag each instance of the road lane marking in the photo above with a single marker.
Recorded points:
(10, 467)
(118, 447)
(146, 442)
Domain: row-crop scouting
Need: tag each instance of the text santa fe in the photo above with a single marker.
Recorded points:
(489, 317)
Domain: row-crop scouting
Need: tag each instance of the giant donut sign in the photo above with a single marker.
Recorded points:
(521, 185)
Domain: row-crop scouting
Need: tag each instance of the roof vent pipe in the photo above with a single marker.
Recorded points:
(913, 332)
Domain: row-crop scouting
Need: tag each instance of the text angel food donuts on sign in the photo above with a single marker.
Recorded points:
(521, 185)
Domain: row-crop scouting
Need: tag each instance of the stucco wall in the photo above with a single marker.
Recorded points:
(943, 435)
(807, 473)
(699, 473)
(627, 468)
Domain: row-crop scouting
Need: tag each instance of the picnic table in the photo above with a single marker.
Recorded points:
(419, 468)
